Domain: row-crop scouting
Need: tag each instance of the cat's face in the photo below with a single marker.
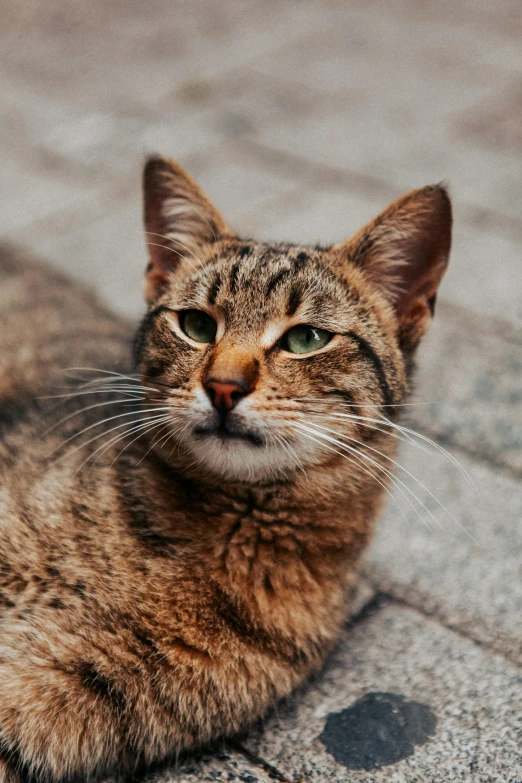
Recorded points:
(269, 358)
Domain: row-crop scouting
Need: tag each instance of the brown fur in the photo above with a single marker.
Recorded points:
(155, 598)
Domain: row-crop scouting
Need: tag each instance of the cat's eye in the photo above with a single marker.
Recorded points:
(305, 339)
(197, 325)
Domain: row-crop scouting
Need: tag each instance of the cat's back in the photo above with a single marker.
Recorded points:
(48, 325)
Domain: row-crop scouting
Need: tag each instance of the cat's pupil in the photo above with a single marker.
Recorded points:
(197, 325)
(305, 339)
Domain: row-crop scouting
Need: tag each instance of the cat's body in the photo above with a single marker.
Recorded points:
(155, 598)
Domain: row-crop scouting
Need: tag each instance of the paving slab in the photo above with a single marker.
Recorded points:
(469, 371)
(156, 47)
(484, 274)
(409, 158)
(403, 92)
(27, 196)
(502, 21)
(312, 214)
(402, 700)
(104, 146)
(468, 570)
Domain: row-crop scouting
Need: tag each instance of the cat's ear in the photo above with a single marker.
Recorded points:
(179, 221)
(404, 251)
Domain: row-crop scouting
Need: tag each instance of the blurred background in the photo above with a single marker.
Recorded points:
(301, 120)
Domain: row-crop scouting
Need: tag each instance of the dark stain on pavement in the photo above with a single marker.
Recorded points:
(377, 730)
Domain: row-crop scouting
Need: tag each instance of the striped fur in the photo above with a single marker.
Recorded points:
(156, 597)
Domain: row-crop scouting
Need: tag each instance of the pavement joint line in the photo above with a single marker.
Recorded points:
(332, 178)
(260, 762)
(313, 171)
(490, 221)
(387, 598)
(489, 325)
(479, 456)
(374, 604)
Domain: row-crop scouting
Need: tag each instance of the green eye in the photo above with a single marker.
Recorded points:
(305, 339)
(198, 326)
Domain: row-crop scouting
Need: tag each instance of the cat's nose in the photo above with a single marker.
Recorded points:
(225, 395)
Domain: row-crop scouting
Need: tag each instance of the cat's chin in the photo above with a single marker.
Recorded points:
(246, 458)
(225, 433)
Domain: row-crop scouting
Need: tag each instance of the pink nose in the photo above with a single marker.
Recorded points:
(225, 395)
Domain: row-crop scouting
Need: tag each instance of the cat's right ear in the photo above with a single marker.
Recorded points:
(179, 222)
(404, 252)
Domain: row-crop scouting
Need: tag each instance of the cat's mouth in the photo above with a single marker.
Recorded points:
(226, 431)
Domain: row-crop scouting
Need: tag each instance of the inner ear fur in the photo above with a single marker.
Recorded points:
(180, 221)
(404, 252)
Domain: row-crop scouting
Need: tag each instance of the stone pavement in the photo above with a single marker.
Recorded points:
(302, 119)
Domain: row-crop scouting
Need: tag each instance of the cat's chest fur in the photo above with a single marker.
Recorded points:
(162, 550)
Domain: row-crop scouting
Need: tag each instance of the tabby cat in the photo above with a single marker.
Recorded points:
(179, 534)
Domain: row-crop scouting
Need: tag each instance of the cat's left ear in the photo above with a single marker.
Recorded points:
(179, 221)
(404, 253)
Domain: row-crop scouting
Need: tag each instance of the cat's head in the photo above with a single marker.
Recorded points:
(267, 358)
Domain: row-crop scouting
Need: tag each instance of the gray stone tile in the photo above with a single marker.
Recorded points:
(104, 146)
(464, 568)
(107, 251)
(53, 135)
(498, 124)
(28, 195)
(470, 371)
(454, 712)
(355, 51)
(362, 141)
(485, 274)
(310, 214)
(197, 116)
(29, 113)
(237, 182)
(401, 92)
(155, 47)
(501, 21)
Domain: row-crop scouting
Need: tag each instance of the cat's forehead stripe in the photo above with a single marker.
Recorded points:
(278, 278)
(294, 300)
(214, 289)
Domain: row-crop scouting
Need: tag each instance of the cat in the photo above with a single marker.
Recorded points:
(179, 534)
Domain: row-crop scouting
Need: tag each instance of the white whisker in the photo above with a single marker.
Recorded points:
(104, 421)
(403, 438)
(415, 434)
(397, 464)
(357, 464)
(396, 481)
(116, 375)
(155, 244)
(89, 408)
(132, 428)
(329, 401)
(142, 434)
(131, 394)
